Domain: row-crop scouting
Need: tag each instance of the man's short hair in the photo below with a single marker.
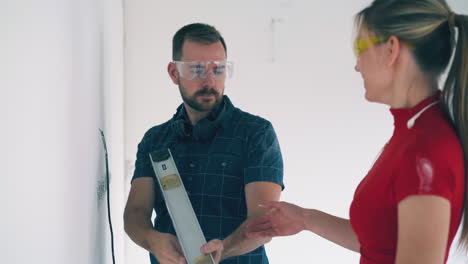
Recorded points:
(197, 32)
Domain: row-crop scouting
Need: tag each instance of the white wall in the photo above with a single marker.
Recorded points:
(60, 80)
(297, 72)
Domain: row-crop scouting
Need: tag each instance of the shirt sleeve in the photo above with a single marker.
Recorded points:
(264, 159)
(425, 172)
(143, 166)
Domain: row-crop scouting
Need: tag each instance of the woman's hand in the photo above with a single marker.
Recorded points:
(283, 219)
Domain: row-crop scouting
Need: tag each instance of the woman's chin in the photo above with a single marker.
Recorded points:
(373, 99)
(367, 96)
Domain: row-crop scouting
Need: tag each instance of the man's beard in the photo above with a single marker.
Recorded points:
(201, 107)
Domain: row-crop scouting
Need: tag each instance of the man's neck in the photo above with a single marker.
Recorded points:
(195, 115)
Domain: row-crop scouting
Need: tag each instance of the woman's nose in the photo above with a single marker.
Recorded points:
(356, 67)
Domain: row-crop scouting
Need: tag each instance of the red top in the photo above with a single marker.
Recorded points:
(423, 159)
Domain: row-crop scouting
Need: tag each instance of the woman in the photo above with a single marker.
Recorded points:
(409, 206)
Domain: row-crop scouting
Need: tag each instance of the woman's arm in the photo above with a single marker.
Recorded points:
(287, 219)
(423, 227)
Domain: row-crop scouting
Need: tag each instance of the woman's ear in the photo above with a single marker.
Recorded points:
(393, 50)
(172, 71)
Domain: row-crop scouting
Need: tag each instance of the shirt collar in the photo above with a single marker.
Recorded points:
(403, 116)
(222, 111)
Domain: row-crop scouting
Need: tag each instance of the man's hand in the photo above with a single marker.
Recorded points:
(214, 247)
(166, 248)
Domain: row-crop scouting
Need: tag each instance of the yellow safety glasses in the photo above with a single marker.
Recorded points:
(362, 44)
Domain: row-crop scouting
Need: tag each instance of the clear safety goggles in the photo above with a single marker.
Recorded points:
(200, 70)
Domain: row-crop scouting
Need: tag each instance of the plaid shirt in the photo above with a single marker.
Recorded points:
(245, 149)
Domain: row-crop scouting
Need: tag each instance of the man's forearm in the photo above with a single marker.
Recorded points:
(238, 244)
(256, 193)
(137, 225)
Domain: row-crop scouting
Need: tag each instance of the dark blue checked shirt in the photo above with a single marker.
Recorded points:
(244, 150)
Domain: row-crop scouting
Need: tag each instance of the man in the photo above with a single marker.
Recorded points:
(229, 160)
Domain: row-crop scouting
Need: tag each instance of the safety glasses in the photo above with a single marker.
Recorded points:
(200, 70)
(362, 44)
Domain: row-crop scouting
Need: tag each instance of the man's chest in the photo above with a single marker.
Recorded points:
(211, 170)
